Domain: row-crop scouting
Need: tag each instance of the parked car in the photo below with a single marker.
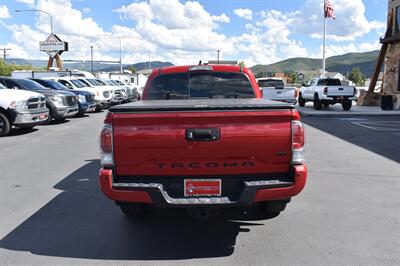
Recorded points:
(274, 89)
(116, 95)
(202, 139)
(326, 91)
(86, 101)
(131, 89)
(125, 96)
(62, 104)
(117, 92)
(102, 95)
(20, 108)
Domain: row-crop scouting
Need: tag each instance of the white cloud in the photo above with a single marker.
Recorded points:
(66, 19)
(335, 49)
(27, 2)
(16, 50)
(244, 13)
(136, 12)
(183, 32)
(4, 13)
(294, 49)
(350, 22)
(221, 18)
(86, 10)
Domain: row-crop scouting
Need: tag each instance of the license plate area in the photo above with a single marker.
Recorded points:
(195, 188)
(42, 116)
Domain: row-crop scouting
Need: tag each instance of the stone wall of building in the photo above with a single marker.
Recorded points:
(391, 77)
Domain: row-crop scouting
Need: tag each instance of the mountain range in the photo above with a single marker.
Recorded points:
(86, 65)
(342, 64)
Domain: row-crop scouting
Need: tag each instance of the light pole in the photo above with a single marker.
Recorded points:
(91, 57)
(39, 10)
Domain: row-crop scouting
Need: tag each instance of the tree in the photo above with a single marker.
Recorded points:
(357, 76)
(6, 69)
(242, 64)
(132, 69)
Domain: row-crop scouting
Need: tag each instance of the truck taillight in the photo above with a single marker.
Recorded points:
(355, 91)
(326, 90)
(297, 143)
(106, 145)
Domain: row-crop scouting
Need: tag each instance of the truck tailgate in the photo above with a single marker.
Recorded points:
(272, 93)
(153, 141)
(340, 91)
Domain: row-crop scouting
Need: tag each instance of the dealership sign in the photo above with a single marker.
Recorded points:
(53, 46)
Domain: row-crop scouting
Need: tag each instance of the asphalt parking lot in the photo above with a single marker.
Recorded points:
(52, 211)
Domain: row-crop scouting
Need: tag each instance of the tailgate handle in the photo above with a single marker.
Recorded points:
(203, 134)
(341, 89)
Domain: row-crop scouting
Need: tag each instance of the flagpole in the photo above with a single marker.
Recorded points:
(324, 45)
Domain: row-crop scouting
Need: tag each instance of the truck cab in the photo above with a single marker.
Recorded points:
(20, 108)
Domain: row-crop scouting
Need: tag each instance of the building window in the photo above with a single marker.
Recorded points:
(397, 21)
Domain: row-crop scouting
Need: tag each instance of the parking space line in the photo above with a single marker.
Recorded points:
(380, 125)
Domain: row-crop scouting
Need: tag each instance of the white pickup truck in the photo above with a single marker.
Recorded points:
(21, 108)
(326, 91)
(274, 89)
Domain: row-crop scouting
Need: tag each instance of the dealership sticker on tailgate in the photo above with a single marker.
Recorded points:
(202, 187)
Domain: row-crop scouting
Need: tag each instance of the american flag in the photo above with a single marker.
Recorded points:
(329, 11)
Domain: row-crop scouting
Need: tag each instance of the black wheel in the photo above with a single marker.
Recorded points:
(98, 109)
(317, 102)
(302, 101)
(49, 119)
(5, 125)
(134, 210)
(325, 105)
(273, 207)
(346, 104)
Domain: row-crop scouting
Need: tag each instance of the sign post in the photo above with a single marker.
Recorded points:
(54, 47)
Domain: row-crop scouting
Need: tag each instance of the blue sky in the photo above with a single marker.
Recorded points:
(184, 32)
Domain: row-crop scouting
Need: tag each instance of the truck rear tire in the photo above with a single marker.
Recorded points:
(5, 125)
(317, 102)
(346, 104)
(273, 207)
(134, 210)
(302, 101)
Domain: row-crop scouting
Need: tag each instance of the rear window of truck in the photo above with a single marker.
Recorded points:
(210, 85)
(271, 83)
(329, 82)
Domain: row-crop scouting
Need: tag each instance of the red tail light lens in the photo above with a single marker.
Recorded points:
(106, 138)
(298, 134)
(106, 146)
(298, 143)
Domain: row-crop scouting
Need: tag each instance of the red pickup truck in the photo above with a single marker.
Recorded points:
(202, 138)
